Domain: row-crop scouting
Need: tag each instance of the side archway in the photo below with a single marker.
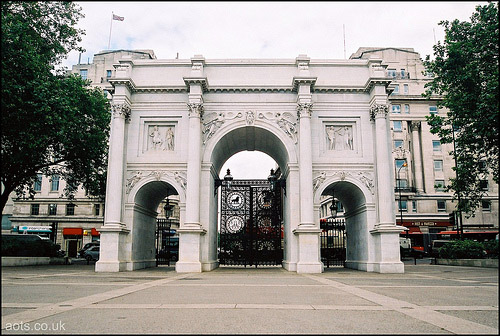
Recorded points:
(141, 212)
(359, 214)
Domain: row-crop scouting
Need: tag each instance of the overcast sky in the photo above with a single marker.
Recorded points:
(264, 30)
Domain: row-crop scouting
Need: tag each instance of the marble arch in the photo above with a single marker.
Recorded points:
(175, 122)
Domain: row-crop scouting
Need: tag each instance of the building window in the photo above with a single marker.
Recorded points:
(403, 205)
(407, 108)
(441, 205)
(70, 209)
(433, 109)
(439, 185)
(414, 206)
(396, 109)
(483, 185)
(391, 72)
(38, 183)
(83, 73)
(402, 183)
(396, 89)
(108, 73)
(54, 183)
(399, 163)
(438, 165)
(397, 126)
(35, 209)
(97, 209)
(398, 143)
(406, 90)
(52, 209)
(436, 145)
(486, 205)
(403, 73)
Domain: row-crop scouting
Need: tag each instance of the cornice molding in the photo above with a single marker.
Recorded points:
(197, 80)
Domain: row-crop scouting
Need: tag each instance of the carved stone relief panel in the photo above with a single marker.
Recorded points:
(339, 137)
(135, 176)
(160, 137)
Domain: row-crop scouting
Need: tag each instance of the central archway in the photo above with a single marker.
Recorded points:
(233, 139)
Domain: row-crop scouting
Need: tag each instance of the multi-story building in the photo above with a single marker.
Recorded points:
(424, 205)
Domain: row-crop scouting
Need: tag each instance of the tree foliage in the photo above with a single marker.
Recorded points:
(465, 70)
(52, 123)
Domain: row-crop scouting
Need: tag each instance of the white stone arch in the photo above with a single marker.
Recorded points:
(140, 217)
(164, 178)
(360, 216)
(288, 144)
(266, 137)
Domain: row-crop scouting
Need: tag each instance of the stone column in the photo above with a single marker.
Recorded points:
(304, 111)
(385, 194)
(417, 155)
(114, 229)
(191, 230)
(385, 232)
(307, 231)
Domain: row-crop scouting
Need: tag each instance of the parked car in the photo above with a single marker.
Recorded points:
(86, 247)
(92, 253)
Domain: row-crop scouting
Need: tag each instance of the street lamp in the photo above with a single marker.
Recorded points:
(272, 180)
(399, 189)
(333, 206)
(168, 208)
(228, 178)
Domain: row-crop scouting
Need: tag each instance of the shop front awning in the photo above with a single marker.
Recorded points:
(72, 232)
(94, 233)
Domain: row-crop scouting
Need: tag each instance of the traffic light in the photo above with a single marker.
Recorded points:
(451, 217)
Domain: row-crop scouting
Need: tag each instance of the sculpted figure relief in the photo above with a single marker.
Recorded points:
(339, 137)
(169, 139)
(155, 138)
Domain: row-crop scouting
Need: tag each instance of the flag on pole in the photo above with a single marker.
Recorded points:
(118, 18)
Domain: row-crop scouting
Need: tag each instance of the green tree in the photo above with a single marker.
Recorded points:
(51, 123)
(465, 70)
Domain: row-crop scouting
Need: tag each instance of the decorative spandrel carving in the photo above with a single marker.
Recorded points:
(180, 177)
(318, 180)
(400, 153)
(286, 121)
(161, 138)
(364, 177)
(339, 138)
(304, 109)
(135, 176)
(195, 109)
(121, 111)
(378, 110)
(211, 123)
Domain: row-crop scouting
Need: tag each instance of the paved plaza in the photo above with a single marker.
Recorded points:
(73, 299)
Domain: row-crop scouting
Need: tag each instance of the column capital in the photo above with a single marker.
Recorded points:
(195, 110)
(121, 110)
(378, 111)
(304, 110)
(415, 125)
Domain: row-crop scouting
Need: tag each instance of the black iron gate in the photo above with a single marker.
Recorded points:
(251, 229)
(333, 251)
(167, 246)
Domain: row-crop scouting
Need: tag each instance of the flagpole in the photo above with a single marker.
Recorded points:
(110, 26)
